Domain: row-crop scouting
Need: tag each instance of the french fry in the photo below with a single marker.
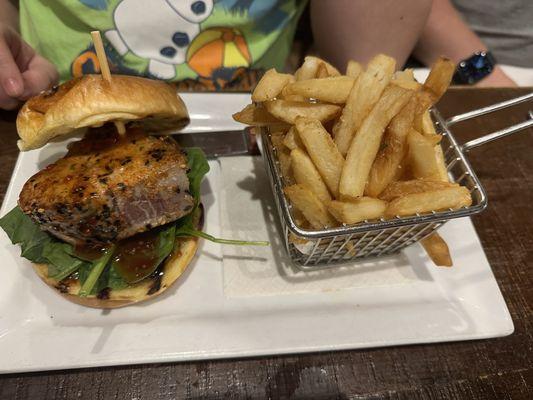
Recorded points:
(309, 68)
(365, 93)
(404, 75)
(403, 172)
(437, 250)
(292, 97)
(441, 164)
(403, 188)
(322, 151)
(359, 210)
(433, 139)
(332, 71)
(352, 251)
(435, 86)
(284, 156)
(406, 80)
(296, 239)
(306, 173)
(354, 69)
(284, 159)
(270, 85)
(299, 218)
(322, 71)
(439, 78)
(292, 140)
(288, 111)
(421, 156)
(365, 144)
(428, 129)
(256, 116)
(330, 90)
(278, 139)
(303, 199)
(393, 150)
(410, 85)
(436, 200)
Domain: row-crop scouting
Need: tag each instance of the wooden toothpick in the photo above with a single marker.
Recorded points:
(104, 70)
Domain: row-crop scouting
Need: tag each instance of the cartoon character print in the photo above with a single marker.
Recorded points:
(87, 62)
(159, 30)
(168, 33)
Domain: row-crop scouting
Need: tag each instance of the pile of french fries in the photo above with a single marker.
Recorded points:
(360, 146)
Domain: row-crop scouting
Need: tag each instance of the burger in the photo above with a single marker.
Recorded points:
(117, 220)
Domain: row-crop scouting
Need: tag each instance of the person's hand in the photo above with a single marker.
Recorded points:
(23, 72)
(497, 78)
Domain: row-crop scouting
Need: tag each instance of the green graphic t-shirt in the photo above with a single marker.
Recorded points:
(206, 41)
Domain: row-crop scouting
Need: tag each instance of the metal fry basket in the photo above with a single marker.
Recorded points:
(314, 249)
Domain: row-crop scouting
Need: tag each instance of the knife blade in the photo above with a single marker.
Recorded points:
(220, 143)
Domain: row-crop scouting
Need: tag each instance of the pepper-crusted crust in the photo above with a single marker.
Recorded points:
(92, 101)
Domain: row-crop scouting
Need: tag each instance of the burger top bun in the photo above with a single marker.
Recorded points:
(91, 101)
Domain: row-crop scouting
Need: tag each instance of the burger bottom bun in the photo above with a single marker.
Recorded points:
(173, 267)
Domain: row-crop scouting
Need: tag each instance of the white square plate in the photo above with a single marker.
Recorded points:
(201, 318)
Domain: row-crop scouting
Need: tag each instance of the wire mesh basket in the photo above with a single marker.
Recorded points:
(314, 249)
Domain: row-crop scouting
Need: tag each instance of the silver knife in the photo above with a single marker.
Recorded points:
(221, 143)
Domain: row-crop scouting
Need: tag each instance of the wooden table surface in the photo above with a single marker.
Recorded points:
(484, 369)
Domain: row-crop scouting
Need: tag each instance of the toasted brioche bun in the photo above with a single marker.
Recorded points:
(173, 267)
(90, 101)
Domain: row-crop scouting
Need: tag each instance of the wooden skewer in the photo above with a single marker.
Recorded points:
(104, 70)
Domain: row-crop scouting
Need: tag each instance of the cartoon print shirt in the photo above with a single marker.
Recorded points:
(206, 41)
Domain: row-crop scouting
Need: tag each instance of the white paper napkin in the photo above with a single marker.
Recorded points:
(248, 212)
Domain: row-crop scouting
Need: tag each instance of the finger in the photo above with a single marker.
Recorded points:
(10, 76)
(39, 76)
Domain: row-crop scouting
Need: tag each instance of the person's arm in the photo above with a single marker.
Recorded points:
(447, 34)
(23, 72)
(359, 29)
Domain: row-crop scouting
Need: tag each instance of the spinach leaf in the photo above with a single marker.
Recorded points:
(21, 230)
(61, 263)
(187, 231)
(198, 167)
(109, 278)
(165, 242)
(186, 226)
(114, 280)
(96, 271)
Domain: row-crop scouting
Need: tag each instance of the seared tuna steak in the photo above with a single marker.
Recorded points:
(109, 187)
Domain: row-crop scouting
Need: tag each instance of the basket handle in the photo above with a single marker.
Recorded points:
(489, 109)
